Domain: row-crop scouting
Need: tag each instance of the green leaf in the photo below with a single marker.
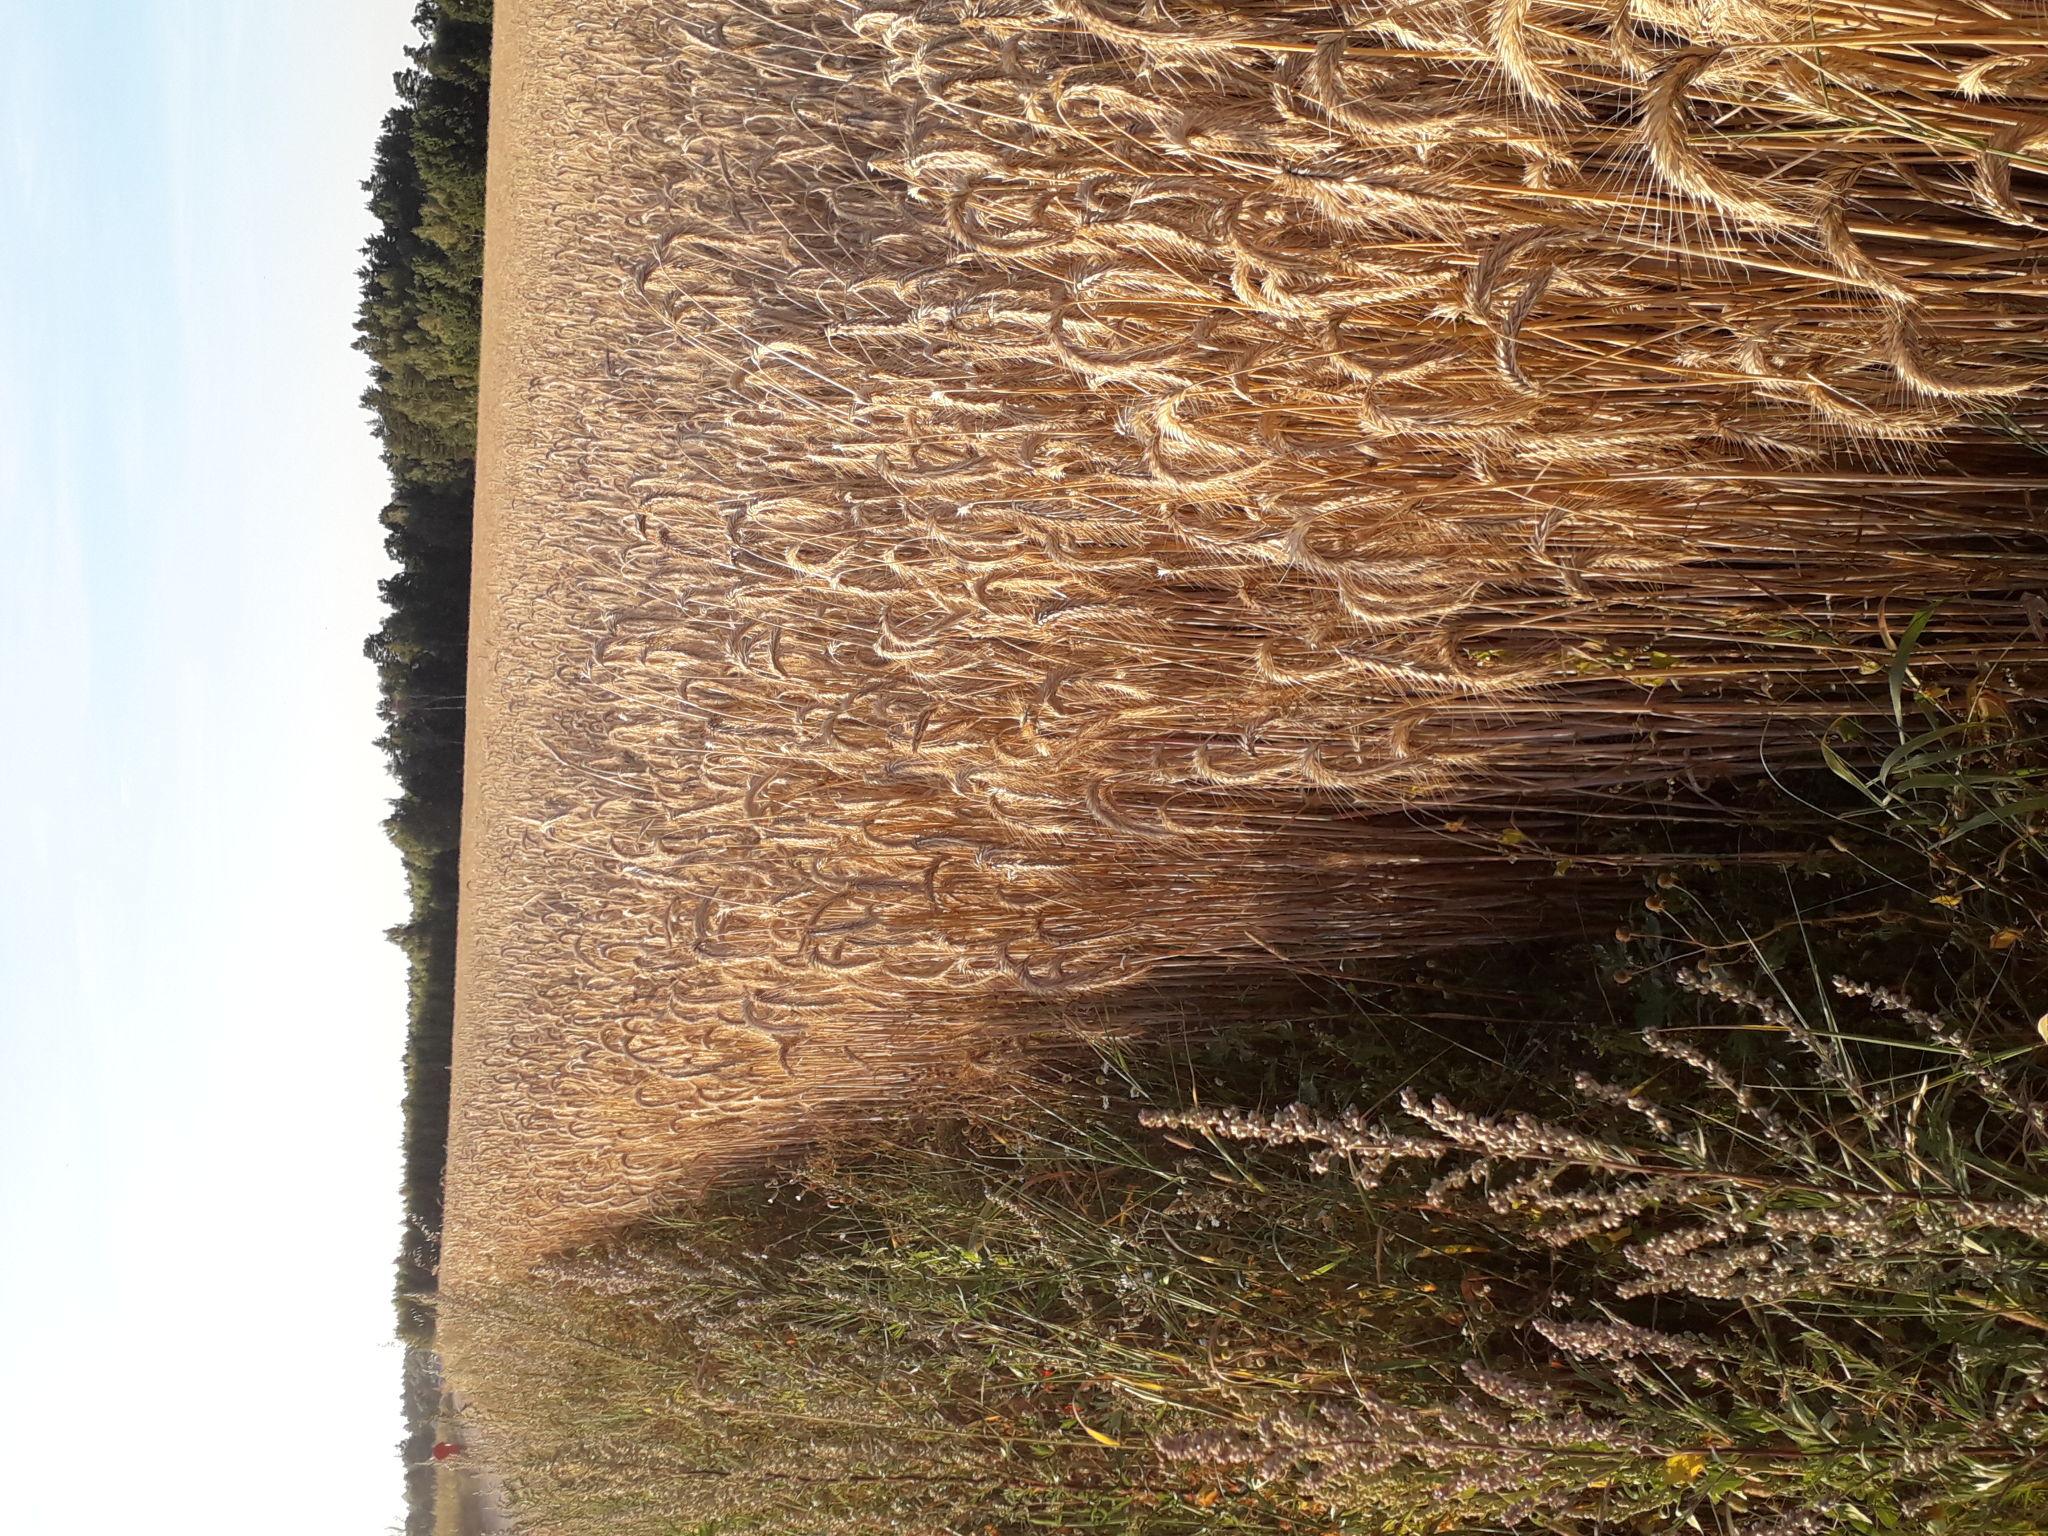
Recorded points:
(1908, 643)
(1839, 766)
(1913, 753)
(2012, 810)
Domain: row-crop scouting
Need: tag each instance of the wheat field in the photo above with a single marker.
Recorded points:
(997, 512)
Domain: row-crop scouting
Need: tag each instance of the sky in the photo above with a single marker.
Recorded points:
(201, 1027)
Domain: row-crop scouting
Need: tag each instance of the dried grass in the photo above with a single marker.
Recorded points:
(1020, 501)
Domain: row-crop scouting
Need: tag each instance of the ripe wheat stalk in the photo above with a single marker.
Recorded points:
(1023, 502)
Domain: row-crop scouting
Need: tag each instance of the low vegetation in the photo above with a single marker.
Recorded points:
(1769, 1256)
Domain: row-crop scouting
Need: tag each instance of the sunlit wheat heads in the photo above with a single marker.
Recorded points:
(1025, 505)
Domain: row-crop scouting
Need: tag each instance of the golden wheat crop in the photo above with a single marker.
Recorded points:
(1013, 501)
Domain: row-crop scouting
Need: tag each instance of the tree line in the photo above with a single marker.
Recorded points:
(420, 324)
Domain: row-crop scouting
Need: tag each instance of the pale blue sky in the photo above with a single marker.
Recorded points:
(200, 1026)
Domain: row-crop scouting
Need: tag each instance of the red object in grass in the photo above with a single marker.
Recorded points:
(443, 1451)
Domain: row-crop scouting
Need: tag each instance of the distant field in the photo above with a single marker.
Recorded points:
(990, 511)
